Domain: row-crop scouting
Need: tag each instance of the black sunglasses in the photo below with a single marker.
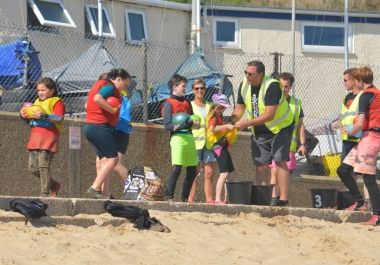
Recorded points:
(201, 88)
(248, 73)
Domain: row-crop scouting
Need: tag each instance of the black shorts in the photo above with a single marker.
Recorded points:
(266, 147)
(101, 140)
(121, 140)
(223, 157)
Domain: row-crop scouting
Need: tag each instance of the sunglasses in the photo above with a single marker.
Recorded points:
(248, 73)
(201, 88)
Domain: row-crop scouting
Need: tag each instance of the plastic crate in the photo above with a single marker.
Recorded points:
(331, 161)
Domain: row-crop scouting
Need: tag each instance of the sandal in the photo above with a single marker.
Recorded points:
(54, 192)
(219, 202)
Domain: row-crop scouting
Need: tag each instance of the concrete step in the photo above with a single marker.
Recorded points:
(86, 212)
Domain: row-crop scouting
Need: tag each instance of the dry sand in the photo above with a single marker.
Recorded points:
(196, 238)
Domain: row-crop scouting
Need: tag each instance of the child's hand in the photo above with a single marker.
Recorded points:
(196, 125)
(23, 113)
(230, 126)
(36, 114)
(114, 110)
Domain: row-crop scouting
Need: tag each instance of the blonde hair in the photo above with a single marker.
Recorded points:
(211, 115)
(198, 81)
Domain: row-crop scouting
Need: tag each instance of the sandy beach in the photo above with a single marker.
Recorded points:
(196, 238)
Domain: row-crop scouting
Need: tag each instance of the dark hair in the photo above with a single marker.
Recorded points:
(260, 68)
(287, 76)
(103, 76)
(363, 73)
(176, 80)
(118, 72)
(49, 83)
(349, 71)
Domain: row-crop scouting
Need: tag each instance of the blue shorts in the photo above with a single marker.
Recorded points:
(205, 155)
(121, 140)
(101, 140)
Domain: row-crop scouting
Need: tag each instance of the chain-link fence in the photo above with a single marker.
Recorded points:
(76, 60)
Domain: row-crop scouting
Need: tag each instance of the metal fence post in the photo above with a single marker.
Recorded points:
(145, 81)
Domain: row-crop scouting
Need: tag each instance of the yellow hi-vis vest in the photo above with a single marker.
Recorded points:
(47, 105)
(283, 117)
(200, 135)
(348, 115)
(295, 107)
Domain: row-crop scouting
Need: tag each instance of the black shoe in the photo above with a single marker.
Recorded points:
(274, 201)
(281, 203)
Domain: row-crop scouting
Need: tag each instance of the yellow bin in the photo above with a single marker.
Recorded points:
(331, 161)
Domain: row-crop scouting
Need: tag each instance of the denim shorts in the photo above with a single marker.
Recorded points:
(205, 155)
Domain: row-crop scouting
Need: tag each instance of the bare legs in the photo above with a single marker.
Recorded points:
(119, 168)
(223, 177)
(209, 183)
(280, 177)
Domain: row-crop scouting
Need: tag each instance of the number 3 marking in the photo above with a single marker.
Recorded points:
(318, 201)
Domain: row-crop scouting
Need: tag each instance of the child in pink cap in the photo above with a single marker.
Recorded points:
(219, 137)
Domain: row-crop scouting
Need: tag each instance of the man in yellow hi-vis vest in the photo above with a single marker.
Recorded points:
(287, 80)
(350, 109)
(271, 120)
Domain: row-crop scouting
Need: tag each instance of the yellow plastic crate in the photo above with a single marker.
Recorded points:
(331, 161)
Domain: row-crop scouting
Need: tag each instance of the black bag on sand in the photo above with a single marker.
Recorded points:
(29, 208)
(137, 215)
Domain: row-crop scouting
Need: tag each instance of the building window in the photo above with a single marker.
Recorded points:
(135, 29)
(325, 37)
(226, 32)
(93, 20)
(48, 13)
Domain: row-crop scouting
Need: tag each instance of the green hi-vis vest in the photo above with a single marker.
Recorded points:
(348, 115)
(283, 117)
(295, 107)
(47, 105)
(200, 135)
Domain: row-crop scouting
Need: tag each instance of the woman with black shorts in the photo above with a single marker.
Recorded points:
(100, 120)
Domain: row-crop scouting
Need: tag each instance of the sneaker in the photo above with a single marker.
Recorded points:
(274, 201)
(54, 193)
(219, 202)
(375, 220)
(96, 194)
(358, 206)
(282, 203)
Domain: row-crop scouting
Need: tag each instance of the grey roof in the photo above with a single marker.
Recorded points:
(80, 74)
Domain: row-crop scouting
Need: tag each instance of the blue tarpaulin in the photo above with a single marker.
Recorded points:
(12, 64)
(195, 66)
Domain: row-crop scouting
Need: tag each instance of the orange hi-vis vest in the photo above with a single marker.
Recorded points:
(373, 113)
(96, 114)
